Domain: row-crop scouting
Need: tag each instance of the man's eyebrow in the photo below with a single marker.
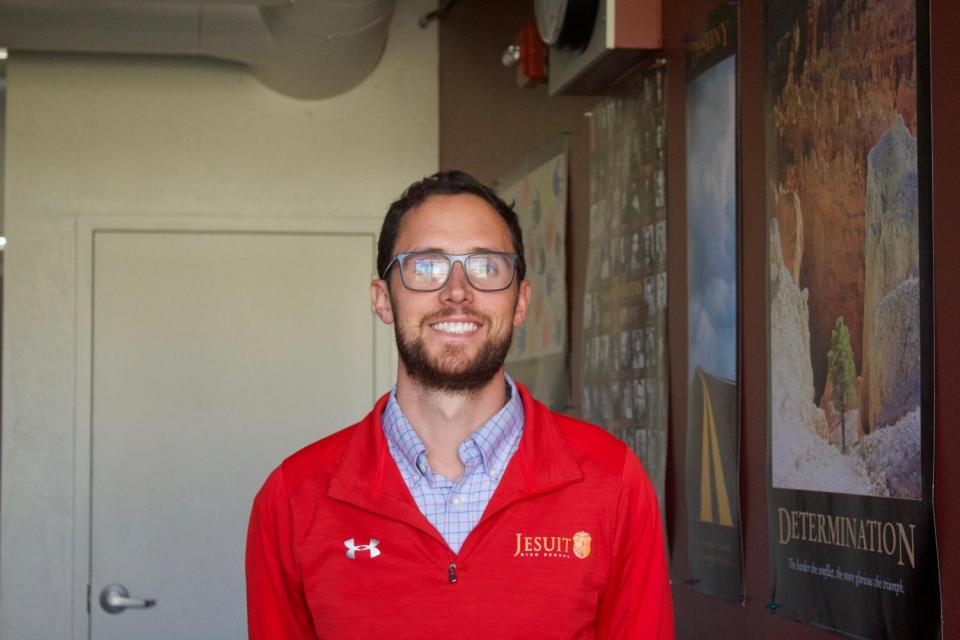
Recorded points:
(439, 250)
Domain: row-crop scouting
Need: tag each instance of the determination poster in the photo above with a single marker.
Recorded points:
(713, 421)
(538, 191)
(850, 317)
(624, 375)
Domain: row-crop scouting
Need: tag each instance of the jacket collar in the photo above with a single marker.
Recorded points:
(369, 478)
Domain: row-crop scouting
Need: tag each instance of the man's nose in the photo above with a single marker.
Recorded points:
(457, 288)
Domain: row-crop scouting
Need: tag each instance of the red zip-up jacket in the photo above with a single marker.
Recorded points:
(570, 545)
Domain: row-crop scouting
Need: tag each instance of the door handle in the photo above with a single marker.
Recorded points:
(115, 599)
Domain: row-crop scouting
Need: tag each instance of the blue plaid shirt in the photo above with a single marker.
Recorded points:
(454, 508)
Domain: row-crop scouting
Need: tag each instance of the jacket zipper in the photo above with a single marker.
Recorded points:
(452, 573)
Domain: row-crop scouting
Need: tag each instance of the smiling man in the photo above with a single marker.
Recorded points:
(460, 506)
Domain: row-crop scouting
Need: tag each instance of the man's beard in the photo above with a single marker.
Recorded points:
(447, 372)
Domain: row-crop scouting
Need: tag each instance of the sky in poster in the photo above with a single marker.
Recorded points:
(712, 223)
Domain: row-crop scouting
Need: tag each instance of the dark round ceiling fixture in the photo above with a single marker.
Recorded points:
(566, 24)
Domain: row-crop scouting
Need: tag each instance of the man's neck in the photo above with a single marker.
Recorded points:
(444, 419)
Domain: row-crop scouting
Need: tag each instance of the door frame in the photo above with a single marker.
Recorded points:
(384, 354)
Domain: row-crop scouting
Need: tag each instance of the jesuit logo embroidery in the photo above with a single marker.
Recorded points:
(576, 546)
(581, 544)
(352, 548)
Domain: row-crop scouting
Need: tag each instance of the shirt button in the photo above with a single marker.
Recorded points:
(457, 500)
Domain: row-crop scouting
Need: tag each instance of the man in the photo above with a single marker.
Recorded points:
(460, 507)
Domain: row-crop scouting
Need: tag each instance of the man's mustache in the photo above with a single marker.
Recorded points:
(451, 312)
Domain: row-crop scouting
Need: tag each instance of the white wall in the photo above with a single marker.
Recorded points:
(159, 137)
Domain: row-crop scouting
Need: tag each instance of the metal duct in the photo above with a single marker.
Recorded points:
(303, 48)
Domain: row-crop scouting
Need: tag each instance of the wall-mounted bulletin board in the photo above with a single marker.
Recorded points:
(713, 429)
(625, 370)
(850, 317)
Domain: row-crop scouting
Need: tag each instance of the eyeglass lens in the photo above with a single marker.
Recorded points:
(429, 271)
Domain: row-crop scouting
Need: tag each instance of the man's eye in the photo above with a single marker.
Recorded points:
(483, 269)
(429, 268)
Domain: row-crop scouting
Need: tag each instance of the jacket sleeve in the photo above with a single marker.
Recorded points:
(636, 602)
(276, 605)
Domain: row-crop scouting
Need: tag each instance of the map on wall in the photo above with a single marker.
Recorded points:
(625, 369)
(538, 191)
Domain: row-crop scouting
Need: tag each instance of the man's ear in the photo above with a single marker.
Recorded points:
(380, 296)
(523, 301)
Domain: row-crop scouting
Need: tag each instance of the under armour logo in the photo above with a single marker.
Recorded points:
(353, 548)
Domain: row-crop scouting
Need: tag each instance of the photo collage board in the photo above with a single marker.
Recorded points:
(624, 377)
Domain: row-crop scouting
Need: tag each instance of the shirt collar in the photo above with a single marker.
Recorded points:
(496, 439)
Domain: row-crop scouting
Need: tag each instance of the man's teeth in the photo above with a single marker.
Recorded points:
(455, 327)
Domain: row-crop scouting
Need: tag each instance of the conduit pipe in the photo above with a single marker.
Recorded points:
(306, 49)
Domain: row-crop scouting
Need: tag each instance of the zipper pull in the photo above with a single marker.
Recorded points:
(452, 573)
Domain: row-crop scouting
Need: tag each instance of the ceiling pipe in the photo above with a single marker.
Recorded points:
(307, 49)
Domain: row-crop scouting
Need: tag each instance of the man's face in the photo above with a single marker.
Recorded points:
(457, 338)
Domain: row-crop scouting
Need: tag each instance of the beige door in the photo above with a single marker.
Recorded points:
(214, 355)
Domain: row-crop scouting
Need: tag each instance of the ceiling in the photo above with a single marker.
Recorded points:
(306, 49)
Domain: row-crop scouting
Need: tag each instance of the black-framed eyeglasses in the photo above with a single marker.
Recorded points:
(430, 270)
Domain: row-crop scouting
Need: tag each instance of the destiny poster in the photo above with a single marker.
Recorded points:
(624, 374)
(713, 423)
(850, 317)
